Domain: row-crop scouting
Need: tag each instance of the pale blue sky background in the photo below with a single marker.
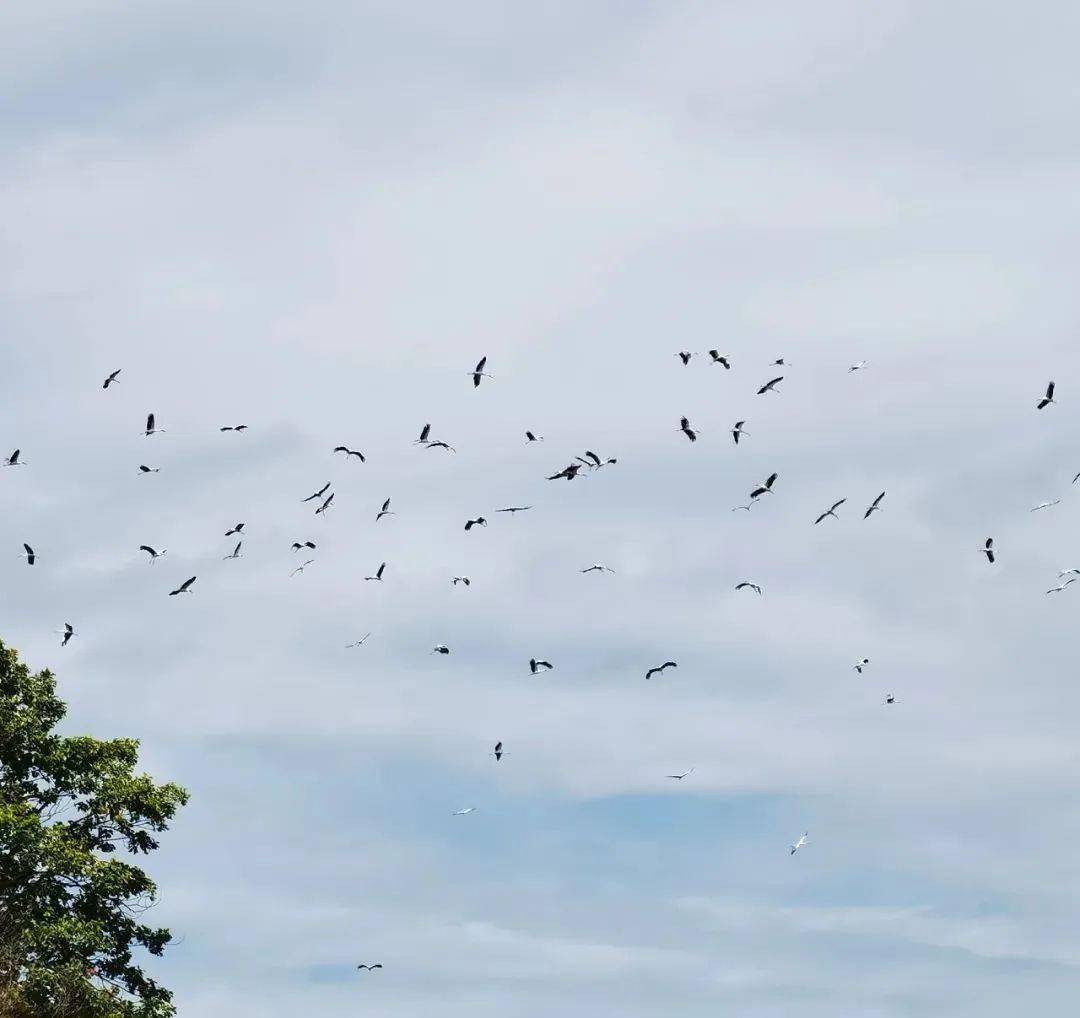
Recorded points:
(313, 219)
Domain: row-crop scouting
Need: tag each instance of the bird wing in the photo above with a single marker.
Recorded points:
(340, 448)
(480, 364)
(379, 571)
(591, 455)
(771, 480)
(236, 550)
(836, 505)
(29, 550)
(877, 501)
(1050, 391)
(150, 422)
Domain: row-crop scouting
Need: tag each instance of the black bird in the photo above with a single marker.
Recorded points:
(569, 472)
(184, 588)
(325, 505)
(234, 427)
(153, 553)
(111, 378)
(378, 574)
(530, 437)
(13, 460)
(660, 669)
(988, 550)
(766, 488)
(385, 511)
(370, 968)
(746, 584)
(535, 665)
(69, 632)
(29, 554)
(297, 545)
(890, 699)
(684, 427)
(514, 509)
(478, 372)
(478, 522)
(737, 432)
(684, 356)
(874, 506)
(718, 358)
(831, 511)
(318, 494)
(770, 386)
(144, 469)
(498, 751)
(440, 648)
(235, 551)
(1047, 399)
(150, 426)
(234, 530)
(350, 452)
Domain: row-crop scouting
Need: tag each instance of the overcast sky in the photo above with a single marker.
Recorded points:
(314, 219)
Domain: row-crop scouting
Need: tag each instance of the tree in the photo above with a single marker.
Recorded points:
(74, 816)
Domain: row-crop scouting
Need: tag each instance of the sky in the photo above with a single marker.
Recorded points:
(314, 219)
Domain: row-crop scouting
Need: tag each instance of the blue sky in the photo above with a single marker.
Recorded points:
(314, 221)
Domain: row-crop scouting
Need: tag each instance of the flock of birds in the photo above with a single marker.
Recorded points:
(589, 461)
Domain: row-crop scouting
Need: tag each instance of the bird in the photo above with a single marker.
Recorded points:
(378, 573)
(234, 530)
(152, 552)
(535, 665)
(440, 648)
(462, 579)
(1065, 572)
(737, 431)
(719, 358)
(235, 551)
(303, 565)
(110, 378)
(988, 550)
(736, 508)
(151, 428)
(464, 812)
(350, 452)
(69, 632)
(144, 469)
(370, 968)
(13, 460)
(478, 372)
(441, 445)
(478, 522)
(861, 664)
(890, 699)
(325, 505)
(766, 488)
(684, 427)
(684, 356)
(385, 511)
(184, 588)
(799, 844)
(597, 567)
(233, 427)
(679, 777)
(595, 462)
(779, 363)
(297, 545)
(770, 385)
(858, 367)
(498, 753)
(29, 554)
(425, 431)
(1044, 505)
(1061, 586)
(1047, 399)
(317, 494)
(746, 584)
(874, 506)
(569, 472)
(831, 511)
(514, 509)
(660, 669)
(531, 437)
(358, 643)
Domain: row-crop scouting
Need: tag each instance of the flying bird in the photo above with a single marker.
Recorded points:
(297, 545)
(1045, 505)
(736, 508)
(779, 363)
(29, 554)
(464, 812)
(235, 551)
(530, 437)
(684, 356)
(350, 452)
(385, 511)
(766, 488)
(660, 669)
(152, 552)
(478, 372)
(358, 643)
(378, 573)
(514, 509)
(370, 968)
(770, 385)
(234, 427)
(303, 565)
(498, 753)
(747, 584)
(679, 777)
(441, 445)
(799, 844)
(317, 494)
(69, 632)
(988, 550)
(890, 699)
(151, 428)
(569, 472)
(1061, 586)
(684, 427)
(144, 469)
(109, 379)
(1047, 399)
(831, 511)
(861, 664)
(597, 567)
(874, 506)
(440, 648)
(478, 522)
(462, 579)
(13, 460)
(535, 665)
(184, 588)
(1065, 572)
(234, 530)
(737, 431)
(719, 358)
(325, 505)
(858, 367)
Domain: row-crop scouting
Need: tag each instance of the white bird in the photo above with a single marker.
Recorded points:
(378, 573)
(858, 367)
(890, 699)
(766, 488)
(679, 777)
(770, 385)
(874, 506)
(737, 431)
(1061, 586)
(736, 508)
(597, 567)
(144, 469)
(326, 505)
(535, 665)
(317, 494)
(478, 372)
(746, 584)
(831, 511)
(718, 358)
(184, 588)
(153, 553)
(464, 812)
(13, 460)
(440, 648)
(1065, 572)
(988, 550)
(300, 568)
(385, 511)
(358, 643)
(69, 632)
(110, 378)
(1044, 505)
(531, 437)
(29, 554)
(799, 844)
(462, 579)
(235, 551)
(151, 426)
(684, 427)
(861, 664)
(1048, 398)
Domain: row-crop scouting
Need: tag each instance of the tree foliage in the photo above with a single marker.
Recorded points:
(74, 817)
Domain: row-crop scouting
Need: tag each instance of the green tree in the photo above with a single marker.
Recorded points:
(74, 816)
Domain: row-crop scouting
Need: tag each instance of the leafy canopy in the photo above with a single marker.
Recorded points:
(74, 816)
